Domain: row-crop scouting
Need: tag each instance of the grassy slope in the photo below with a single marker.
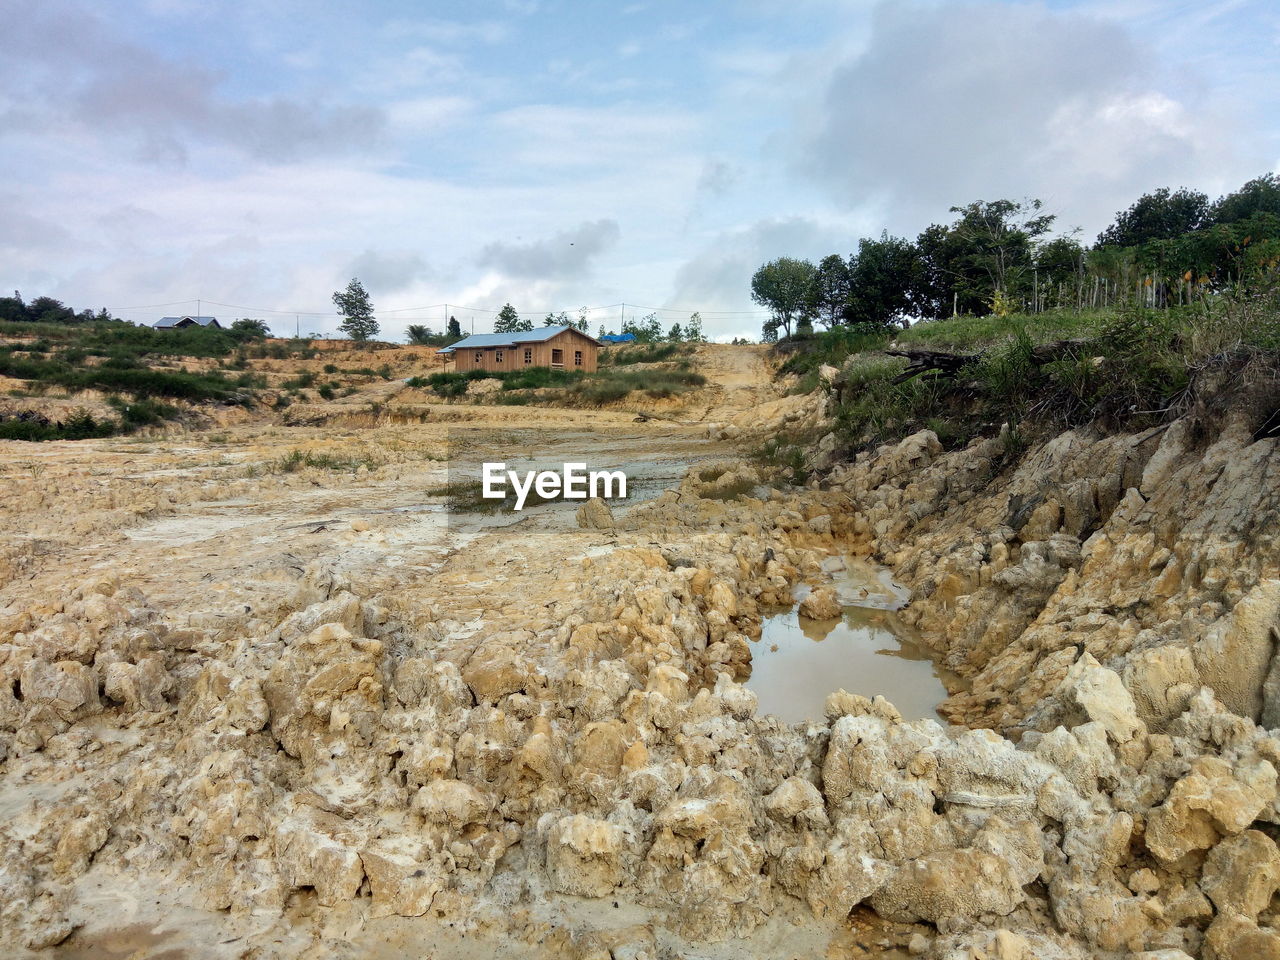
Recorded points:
(137, 368)
(1122, 369)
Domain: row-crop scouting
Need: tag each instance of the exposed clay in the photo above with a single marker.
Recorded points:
(347, 720)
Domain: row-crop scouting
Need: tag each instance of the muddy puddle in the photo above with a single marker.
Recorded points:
(797, 662)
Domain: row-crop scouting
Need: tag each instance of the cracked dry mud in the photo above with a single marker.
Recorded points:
(256, 714)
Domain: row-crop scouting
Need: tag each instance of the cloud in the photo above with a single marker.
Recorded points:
(717, 177)
(383, 273)
(718, 278)
(70, 71)
(450, 32)
(567, 254)
(949, 104)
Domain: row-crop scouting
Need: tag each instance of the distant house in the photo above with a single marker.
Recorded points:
(177, 323)
(561, 348)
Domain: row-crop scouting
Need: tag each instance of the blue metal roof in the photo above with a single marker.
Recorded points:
(619, 337)
(539, 335)
(174, 321)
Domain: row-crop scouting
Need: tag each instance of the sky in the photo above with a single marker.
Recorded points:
(248, 158)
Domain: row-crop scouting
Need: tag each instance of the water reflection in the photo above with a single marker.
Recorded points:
(797, 662)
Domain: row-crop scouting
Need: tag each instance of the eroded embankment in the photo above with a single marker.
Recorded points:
(586, 736)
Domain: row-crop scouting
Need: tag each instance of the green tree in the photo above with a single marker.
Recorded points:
(251, 329)
(693, 329)
(1160, 215)
(1259, 195)
(999, 239)
(1058, 267)
(356, 308)
(829, 291)
(676, 333)
(783, 285)
(560, 319)
(647, 330)
(507, 321)
(881, 276)
(49, 310)
(419, 334)
(13, 309)
(455, 328)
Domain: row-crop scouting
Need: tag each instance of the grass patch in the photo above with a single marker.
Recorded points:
(645, 353)
(119, 375)
(79, 425)
(466, 496)
(602, 386)
(805, 356)
(785, 458)
(296, 460)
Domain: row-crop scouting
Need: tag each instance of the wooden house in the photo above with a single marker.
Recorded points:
(560, 348)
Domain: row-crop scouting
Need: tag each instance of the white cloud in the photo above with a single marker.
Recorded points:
(953, 103)
(566, 254)
(71, 72)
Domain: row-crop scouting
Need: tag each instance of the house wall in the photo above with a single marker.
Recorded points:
(540, 355)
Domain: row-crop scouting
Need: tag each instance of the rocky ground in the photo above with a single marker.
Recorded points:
(258, 711)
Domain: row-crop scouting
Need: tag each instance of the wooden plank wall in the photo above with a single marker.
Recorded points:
(539, 354)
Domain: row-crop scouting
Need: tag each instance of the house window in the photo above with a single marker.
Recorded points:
(497, 356)
(528, 355)
(577, 358)
(557, 357)
(479, 356)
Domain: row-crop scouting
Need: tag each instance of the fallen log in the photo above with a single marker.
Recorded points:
(943, 365)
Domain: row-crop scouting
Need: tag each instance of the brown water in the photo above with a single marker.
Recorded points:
(797, 662)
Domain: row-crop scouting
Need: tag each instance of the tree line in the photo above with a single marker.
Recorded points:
(1169, 248)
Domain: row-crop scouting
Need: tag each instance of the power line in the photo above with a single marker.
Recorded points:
(428, 312)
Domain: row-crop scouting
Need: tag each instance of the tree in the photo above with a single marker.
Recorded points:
(675, 334)
(251, 329)
(418, 334)
(357, 309)
(49, 310)
(13, 309)
(648, 330)
(783, 285)
(1259, 195)
(582, 323)
(560, 319)
(1159, 215)
(881, 276)
(829, 292)
(1059, 264)
(455, 328)
(998, 242)
(693, 329)
(507, 320)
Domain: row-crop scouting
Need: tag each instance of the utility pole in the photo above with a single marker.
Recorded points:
(445, 328)
(622, 327)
